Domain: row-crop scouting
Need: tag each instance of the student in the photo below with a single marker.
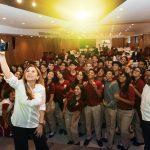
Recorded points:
(126, 100)
(6, 108)
(110, 88)
(138, 85)
(145, 105)
(73, 105)
(93, 99)
(29, 108)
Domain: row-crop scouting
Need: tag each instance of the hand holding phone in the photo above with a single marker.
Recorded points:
(3, 46)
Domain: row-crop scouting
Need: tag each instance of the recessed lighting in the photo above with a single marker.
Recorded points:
(52, 21)
(40, 16)
(34, 4)
(121, 9)
(19, 1)
(4, 18)
(23, 23)
(118, 17)
(132, 24)
(31, 36)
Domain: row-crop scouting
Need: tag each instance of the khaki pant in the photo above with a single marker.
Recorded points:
(93, 115)
(72, 120)
(60, 117)
(111, 116)
(124, 121)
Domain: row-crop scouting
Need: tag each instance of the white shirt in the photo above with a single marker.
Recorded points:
(6, 101)
(145, 103)
(26, 112)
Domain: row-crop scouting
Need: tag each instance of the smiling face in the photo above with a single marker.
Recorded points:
(50, 75)
(31, 74)
(80, 76)
(137, 72)
(77, 90)
(122, 78)
(59, 75)
(91, 74)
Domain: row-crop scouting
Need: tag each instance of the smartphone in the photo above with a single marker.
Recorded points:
(4, 46)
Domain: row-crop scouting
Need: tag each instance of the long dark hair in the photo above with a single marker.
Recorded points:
(125, 87)
(76, 81)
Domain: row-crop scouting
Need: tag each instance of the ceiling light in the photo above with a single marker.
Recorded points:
(121, 9)
(132, 24)
(22, 23)
(4, 18)
(52, 21)
(34, 4)
(40, 16)
(31, 36)
(19, 1)
(82, 15)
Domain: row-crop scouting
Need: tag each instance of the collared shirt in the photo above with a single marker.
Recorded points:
(91, 97)
(26, 112)
(145, 103)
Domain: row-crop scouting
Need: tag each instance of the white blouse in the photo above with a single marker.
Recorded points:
(145, 103)
(26, 112)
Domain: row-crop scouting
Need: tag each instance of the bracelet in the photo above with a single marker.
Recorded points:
(42, 124)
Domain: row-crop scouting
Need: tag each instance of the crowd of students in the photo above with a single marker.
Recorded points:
(83, 93)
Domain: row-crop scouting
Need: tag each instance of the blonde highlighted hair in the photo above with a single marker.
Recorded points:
(38, 81)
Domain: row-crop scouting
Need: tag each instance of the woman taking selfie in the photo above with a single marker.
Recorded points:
(29, 108)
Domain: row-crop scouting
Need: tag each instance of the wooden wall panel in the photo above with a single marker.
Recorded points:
(32, 48)
(118, 42)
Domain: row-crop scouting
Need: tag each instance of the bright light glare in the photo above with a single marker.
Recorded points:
(82, 15)
(34, 4)
(19, 1)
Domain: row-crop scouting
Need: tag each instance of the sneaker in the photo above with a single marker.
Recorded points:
(61, 131)
(51, 134)
(99, 142)
(70, 142)
(87, 141)
(119, 146)
(124, 148)
(104, 140)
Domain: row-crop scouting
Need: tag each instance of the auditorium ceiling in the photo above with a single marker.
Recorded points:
(70, 17)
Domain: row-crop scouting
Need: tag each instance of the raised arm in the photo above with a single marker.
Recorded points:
(4, 65)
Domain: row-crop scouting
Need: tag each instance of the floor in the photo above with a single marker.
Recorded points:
(58, 142)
